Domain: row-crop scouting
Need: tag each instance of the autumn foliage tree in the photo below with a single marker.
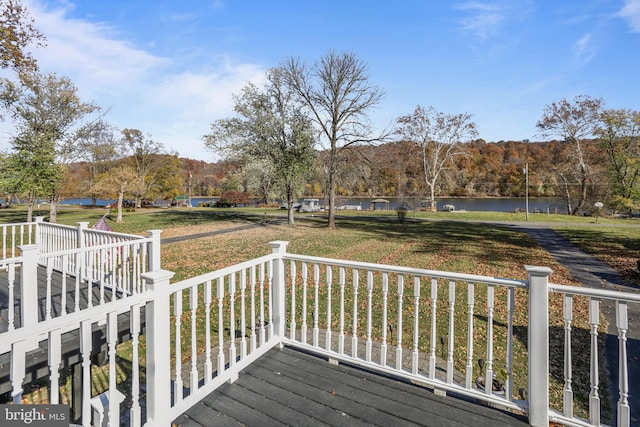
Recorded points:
(17, 31)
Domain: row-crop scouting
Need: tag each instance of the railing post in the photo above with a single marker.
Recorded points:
(279, 290)
(29, 285)
(82, 226)
(157, 317)
(154, 250)
(538, 342)
(38, 220)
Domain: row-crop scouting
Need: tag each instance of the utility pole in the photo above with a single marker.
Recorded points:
(526, 191)
(190, 176)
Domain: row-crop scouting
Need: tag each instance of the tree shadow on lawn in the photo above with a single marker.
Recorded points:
(484, 242)
(580, 367)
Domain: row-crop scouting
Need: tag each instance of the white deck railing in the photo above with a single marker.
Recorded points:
(49, 270)
(200, 332)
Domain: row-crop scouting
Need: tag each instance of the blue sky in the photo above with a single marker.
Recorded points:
(169, 67)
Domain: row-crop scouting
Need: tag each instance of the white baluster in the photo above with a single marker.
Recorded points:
(254, 325)
(328, 331)
(399, 327)
(261, 317)
(303, 328)
(134, 324)
(385, 292)
(112, 340)
(85, 348)
(416, 324)
(511, 295)
(488, 379)
(292, 324)
(316, 304)
(368, 346)
(594, 397)
(232, 320)
(208, 366)
(434, 312)
(567, 312)
(452, 304)
(243, 313)
(11, 276)
(270, 299)
(177, 313)
(54, 365)
(193, 307)
(17, 373)
(341, 333)
(48, 288)
(470, 305)
(63, 291)
(622, 323)
(221, 325)
(354, 323)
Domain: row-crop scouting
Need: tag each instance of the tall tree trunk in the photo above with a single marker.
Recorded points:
(290, 203)
(120, 199)
(53, 210)
(332, 198)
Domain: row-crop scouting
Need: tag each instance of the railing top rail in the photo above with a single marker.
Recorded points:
(113, 245)
(472, 278)
(14, 224)
(596, 293)
(71, 321)
(187, 283)
(55, 225)
(113, 233)
(12, 260)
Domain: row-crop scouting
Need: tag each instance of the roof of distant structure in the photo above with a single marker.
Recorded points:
(102, 224)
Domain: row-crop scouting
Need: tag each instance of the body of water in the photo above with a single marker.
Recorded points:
(511, 204)
(538, 204)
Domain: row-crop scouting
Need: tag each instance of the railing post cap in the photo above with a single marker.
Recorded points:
(538, 271)
(158, 275)
(154, 232)
(28, 248)
(83, 224)
(39, 219)
(279, 246)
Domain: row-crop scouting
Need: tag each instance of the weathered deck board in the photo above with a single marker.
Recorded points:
(288, 387)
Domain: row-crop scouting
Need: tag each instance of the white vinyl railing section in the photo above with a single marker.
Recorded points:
(54, 269)
(200, 332)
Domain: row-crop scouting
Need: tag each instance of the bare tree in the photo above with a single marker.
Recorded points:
(439, 137)
(574, 121)
(339, 95)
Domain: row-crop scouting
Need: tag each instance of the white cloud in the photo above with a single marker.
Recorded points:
(157, 95)
(585, 49)
(485, 19)
(631, 13)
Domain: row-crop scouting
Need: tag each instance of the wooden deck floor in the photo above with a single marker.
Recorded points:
(289, 387)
